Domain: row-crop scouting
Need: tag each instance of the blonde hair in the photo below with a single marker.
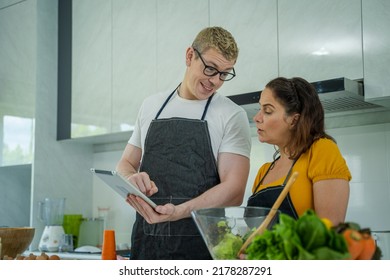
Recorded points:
(218, 39)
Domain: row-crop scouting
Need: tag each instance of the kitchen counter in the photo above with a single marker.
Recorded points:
(122, 254)
(68, 255)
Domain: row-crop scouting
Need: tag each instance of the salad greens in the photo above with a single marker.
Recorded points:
(227, 243)
(228, 247)
(304, 239)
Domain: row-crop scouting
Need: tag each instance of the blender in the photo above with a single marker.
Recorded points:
(51, 212)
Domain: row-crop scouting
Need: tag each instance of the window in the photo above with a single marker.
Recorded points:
(18, 141)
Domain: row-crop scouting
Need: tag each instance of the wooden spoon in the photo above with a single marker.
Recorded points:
(271, 214)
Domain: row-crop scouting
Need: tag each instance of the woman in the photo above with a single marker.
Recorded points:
(291, 118)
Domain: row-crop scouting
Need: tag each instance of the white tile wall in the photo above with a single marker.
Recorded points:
(366, 150)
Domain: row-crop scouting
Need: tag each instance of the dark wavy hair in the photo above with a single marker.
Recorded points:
(299, 96)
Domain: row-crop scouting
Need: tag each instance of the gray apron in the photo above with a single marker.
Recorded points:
(178, 157)
(267, 197)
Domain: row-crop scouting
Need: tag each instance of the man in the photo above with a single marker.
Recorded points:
(189, 150)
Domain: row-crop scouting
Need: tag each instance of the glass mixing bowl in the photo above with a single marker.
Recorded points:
(224, 230)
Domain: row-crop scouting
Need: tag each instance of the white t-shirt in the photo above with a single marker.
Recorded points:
(227, 122)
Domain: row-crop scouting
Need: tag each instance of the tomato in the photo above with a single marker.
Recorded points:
(369, 247)
(354, 241)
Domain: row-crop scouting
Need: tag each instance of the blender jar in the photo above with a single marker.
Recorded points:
(51, 212)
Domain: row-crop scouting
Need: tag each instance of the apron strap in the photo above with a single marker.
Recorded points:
(166, 101)
(207, 107)
(269, 168)
(170, 96)
(289, 173)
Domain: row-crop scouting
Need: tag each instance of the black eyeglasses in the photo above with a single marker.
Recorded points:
(212, 71)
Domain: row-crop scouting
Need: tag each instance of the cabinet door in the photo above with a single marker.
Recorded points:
(376, 41)
(149, 44)
(178, 22)
(253, 24)
(18, 74)
(320, 40)
(150, 40)
(114, 63)
(125, 51)
(91, 68)
(134, 59)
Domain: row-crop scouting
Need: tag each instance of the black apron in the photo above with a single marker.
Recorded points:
(267, 197)
(178, 157)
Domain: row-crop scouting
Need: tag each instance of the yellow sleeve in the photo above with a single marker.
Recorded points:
(326, 162)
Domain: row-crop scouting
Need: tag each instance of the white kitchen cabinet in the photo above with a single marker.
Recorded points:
(124, 51)
(376, 41)
(134, 59)
(253, 24)
(91, 68)
(178, 22)
(113, 64)
(149, 45)
(17, 81)
(320, 40)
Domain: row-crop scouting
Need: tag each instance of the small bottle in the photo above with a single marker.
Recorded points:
(109, 246)
(103, 214)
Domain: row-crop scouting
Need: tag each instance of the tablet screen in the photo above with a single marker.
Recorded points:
(122, 186)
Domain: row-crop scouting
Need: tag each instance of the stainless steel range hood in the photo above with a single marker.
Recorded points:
(337, 95)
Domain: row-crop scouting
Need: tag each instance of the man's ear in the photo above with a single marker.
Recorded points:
(189, 56)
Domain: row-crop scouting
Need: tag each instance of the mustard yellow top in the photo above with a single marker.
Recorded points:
(322, 161)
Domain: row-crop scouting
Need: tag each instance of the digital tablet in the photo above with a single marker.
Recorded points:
(122, 186)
